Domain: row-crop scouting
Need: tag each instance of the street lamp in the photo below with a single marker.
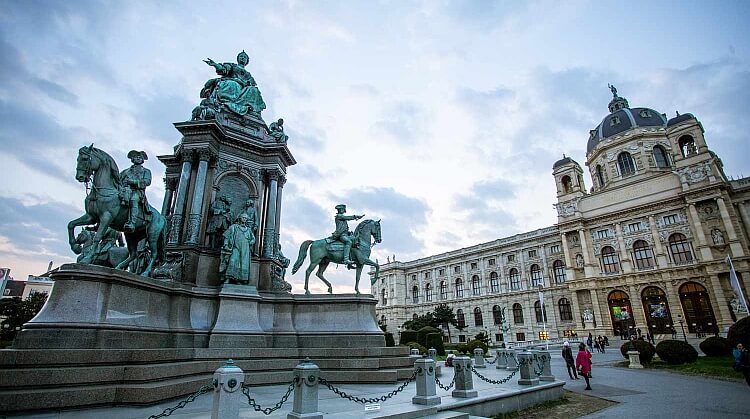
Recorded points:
(682, 326)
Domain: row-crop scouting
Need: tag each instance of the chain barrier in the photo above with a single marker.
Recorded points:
(493, 361)
(491, 381)
(268, 410)
(539, 363)
(444, 387)
(191, 398)
(361, 400)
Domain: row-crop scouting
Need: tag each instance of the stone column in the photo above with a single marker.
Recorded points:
(182, 190)
(575, 308)
(426, 391)
(597, 310)
(305, 392)
(196, 207)
(745, 216)
(702, 244)
(661, 257)
(170, 184)
(569, 271)
(464, 378)
(624, 254)
(269, 244)
(720, 301)
(227, 391)
(588, 268)
(277, 224)
(734, 244)
(635, 302)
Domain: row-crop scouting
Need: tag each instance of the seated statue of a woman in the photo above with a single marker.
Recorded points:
(236, 89)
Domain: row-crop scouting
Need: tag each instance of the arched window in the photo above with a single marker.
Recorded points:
(541, 312)
(536, 276)
(517, 314)
(558, 268)
(680, 249)
(478, 317)
(566, 314)
(644, 256)
(428, 292)
(515, 280)
(476, 285)
(494, 283)
(600, 175)
(660, 157)
(414, 316)
(415, 294)
(497, 315)
(687, 146)
(459, 288)
(610, 263)
(566, 184)
(443, 290)
(384, 296)
(625, 163)
(460, 319)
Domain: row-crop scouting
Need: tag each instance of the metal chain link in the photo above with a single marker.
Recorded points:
(361, 400)
(191, 398)
(268, 410)
(444, 387)
(492, 362)
(491, 381)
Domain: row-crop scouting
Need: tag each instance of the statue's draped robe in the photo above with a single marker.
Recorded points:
(237, 253)
(237, 90)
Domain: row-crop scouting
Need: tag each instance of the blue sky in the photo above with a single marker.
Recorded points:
(443, 118)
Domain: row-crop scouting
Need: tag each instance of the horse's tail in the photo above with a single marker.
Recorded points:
(302, 255)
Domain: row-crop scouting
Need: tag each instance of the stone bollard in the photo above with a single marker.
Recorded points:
(635, 359)
(432, 353)
(306, 391)
(500, 361)
(228, 382)
(426, 392)
(463, 377)
(512, 357)
(546, 359)
(526, 369)
(415, 353)
(479, 358)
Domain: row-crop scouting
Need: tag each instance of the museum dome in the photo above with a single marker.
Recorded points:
(622, 118)
(563, 161)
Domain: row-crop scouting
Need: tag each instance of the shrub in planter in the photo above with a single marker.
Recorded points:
(423, 332)
(408, 336)
(645, 349)
(435, 340)
(739, 333)
(676, 352)
(462, 348)
(415, 345)
(473, 344)
(716, 346)
(389, 339)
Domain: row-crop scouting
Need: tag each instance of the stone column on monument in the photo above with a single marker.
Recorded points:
(661, 257)
(624, 252)
(183, 188)
(734, 244)
(170, 184)
(269, 243)
(588, 268)
(705, 252)
(196, 207)
(569, 271)
(277, 224)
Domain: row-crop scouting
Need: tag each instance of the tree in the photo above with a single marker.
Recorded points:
(482, 337)
(426, 319)
(16, 312)
(444, 315)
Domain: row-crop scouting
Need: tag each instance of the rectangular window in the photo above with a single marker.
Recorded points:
(670, 219)
(473, 265)
(543, 335)
(511, 258)
(427, 275)
(498, 337)
(462, 338)
(446, 339)
(555, 248)
(633, 227)
(532, 253)
(602, 234)
(414, 277)
(441, 272)
(491, 262)
(457, 269)
(520, 337)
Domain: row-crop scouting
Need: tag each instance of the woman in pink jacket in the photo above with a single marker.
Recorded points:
(583, 364)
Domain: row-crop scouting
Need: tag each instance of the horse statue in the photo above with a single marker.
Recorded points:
(322, 253)
(103, 207)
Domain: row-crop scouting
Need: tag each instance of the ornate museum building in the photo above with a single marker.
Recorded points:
(645, 248)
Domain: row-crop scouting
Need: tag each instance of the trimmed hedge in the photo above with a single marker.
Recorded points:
(389, 339)
(739, 333)
(415, 345)
(716, 346)
(408, 336)
(462, 348)
(676, 352)
(435, 340)
(423, 332)
(473, 344)
(645, 349)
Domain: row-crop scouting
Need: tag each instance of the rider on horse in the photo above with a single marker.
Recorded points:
(342, 233)
(134, 181)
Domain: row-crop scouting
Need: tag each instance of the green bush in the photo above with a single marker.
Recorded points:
(716, 346)
(645, 349)
(676, 352)
(423, 332)
(473, 344)
(739, 333)
(435, 340)
(462, 348)
(415, 345)
(408, 336)
(389, 339)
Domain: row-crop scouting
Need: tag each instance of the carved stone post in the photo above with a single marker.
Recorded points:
(277, 224)
(182, 191)
(432, 354)
(546, 361)
(414, 353)
(269, 244)
(635, 359)
(196, 208)
(306, 392)
(170, 184)
(501, 360)
(227, 391)
(464, 378)
(526, 369)
(426, 391)
(512, 363)
(479, 358)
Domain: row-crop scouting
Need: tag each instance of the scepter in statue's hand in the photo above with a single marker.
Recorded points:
(210, 62)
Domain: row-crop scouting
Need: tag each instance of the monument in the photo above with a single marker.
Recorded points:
(203, 280)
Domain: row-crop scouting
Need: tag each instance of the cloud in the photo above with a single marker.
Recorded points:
(403, 122)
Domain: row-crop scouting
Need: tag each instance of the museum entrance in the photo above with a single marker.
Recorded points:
(658, 317)
(621, 313)
(697, 307)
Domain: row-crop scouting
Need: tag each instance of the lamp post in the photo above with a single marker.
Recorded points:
(544, 316)
(682, 326)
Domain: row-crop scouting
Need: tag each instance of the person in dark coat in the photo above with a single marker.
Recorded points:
(570, 363)
(742, 361)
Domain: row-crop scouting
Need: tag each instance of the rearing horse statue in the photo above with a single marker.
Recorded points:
(322, 253)
(103, 207)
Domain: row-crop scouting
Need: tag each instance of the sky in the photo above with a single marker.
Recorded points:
(442, 118)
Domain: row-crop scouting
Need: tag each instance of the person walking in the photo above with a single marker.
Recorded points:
(601, 344)
(567, 354)
(742, 361)
(590, 342)
(583, 364)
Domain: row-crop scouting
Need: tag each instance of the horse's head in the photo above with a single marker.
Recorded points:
(376, 231)
(86, 164)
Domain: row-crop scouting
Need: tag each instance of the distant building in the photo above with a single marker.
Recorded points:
(17, 288)
(644, 248)
(40, 284)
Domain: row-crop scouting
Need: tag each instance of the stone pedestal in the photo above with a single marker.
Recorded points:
(526, 369)
(432, 354)
(544, 358)
(501, 360)
(228, 395)
(512, 357)
(635, 360)
(479, 358)
(464, 378)
(306, 392)
(237, 322)
(426, 391)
